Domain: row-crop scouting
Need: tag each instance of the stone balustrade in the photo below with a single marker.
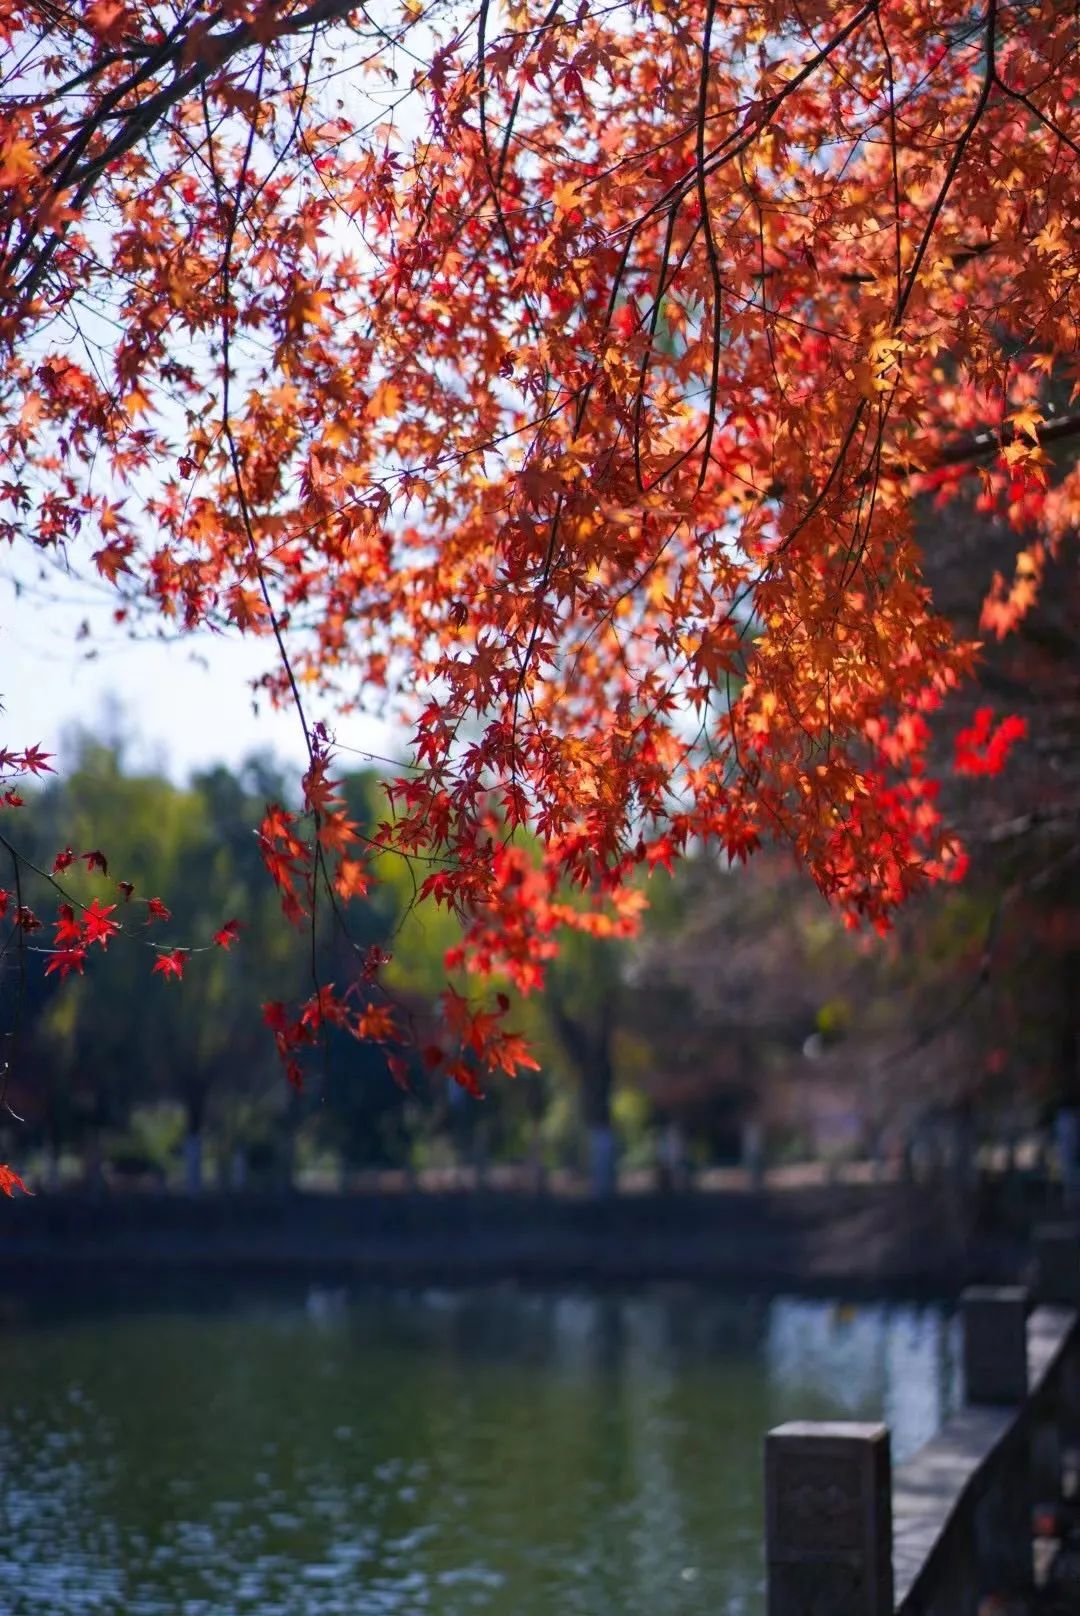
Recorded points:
(849, 1534)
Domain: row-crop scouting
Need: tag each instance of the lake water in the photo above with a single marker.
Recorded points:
(504, 1453)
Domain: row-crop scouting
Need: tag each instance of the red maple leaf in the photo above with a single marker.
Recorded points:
(66, 960)
(273, 1014)
(156, 910)
(68, 929)
(983, 748)
(96, 859)
(172, 963)
(399, 1071)
(10, 1181)
(465, 1078)
(97, 927)
(36, 761)
(228, 934)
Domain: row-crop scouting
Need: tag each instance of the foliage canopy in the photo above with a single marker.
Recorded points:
(559, 376)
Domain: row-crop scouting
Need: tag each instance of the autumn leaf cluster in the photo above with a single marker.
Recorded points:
(559, 381)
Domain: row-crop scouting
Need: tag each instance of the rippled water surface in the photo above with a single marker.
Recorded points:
(504, 1453)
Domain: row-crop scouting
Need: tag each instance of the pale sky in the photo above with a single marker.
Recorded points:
(186, 703)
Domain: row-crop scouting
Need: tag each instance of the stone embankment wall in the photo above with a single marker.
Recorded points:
(972, 1522)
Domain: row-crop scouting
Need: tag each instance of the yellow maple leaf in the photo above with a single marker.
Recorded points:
(385, 401)
(136, 403)
(565, 196)
(16, 164)
(1026, 422)
(305, 306)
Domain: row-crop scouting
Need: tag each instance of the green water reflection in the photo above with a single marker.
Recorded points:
(499, 1452)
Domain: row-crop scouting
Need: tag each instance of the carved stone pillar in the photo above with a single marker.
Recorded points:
(995, 1343)
(1057, 1263)
(828, 1520)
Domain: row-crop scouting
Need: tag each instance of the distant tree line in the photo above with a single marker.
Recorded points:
(743, 1018)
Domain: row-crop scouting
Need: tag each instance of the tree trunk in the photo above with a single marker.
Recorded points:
(1067, 1139)
(195, 1108)
(537, 1171)
(597, 1085)
(193, 1163)
(753, 1154)
(603, 1164)
(672, 1177)
(291, 1124)
(53, 1148)
(908, 1151)
(588, 1043)
(93, 1176)
(479, 1158)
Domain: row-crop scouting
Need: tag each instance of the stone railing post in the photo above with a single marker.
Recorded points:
(996, 1372)
(1057, 1264)
(995, 1343)
(1057, 1281)
(828, 1520)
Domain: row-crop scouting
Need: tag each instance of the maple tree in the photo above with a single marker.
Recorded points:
(558, 378)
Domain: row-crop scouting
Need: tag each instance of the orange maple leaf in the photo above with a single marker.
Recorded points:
(108, 19)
